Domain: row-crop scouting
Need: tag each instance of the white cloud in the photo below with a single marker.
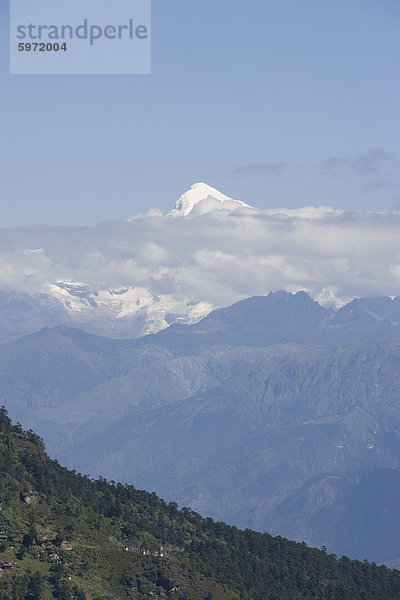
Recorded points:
(216, 258)
(153, 253)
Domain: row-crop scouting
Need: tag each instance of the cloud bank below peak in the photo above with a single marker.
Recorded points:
(215, 256)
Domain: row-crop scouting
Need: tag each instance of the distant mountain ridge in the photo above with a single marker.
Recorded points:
(274, 413)
(133, 312)
(122, 312)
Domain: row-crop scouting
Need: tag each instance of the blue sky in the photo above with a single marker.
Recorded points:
(275, 102)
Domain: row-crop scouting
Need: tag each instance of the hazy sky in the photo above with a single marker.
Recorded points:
(274, 102)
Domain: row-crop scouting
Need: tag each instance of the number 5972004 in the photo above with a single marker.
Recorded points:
(41, 47)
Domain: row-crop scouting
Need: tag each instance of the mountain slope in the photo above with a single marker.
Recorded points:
(261, 414)
(268, 447)
(22, 314)
(64, 536)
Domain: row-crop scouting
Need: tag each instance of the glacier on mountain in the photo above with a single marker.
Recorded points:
(125, 311)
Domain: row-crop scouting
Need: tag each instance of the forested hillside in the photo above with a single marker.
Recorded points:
(64, 536)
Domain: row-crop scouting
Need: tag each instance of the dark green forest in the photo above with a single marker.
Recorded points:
(67, 537)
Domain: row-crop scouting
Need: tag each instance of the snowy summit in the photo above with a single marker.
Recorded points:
(201, 199)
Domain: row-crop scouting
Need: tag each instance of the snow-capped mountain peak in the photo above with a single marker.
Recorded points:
(131, 311)
(201, 199)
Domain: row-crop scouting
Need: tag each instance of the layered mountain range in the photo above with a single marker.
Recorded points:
(275, 413)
